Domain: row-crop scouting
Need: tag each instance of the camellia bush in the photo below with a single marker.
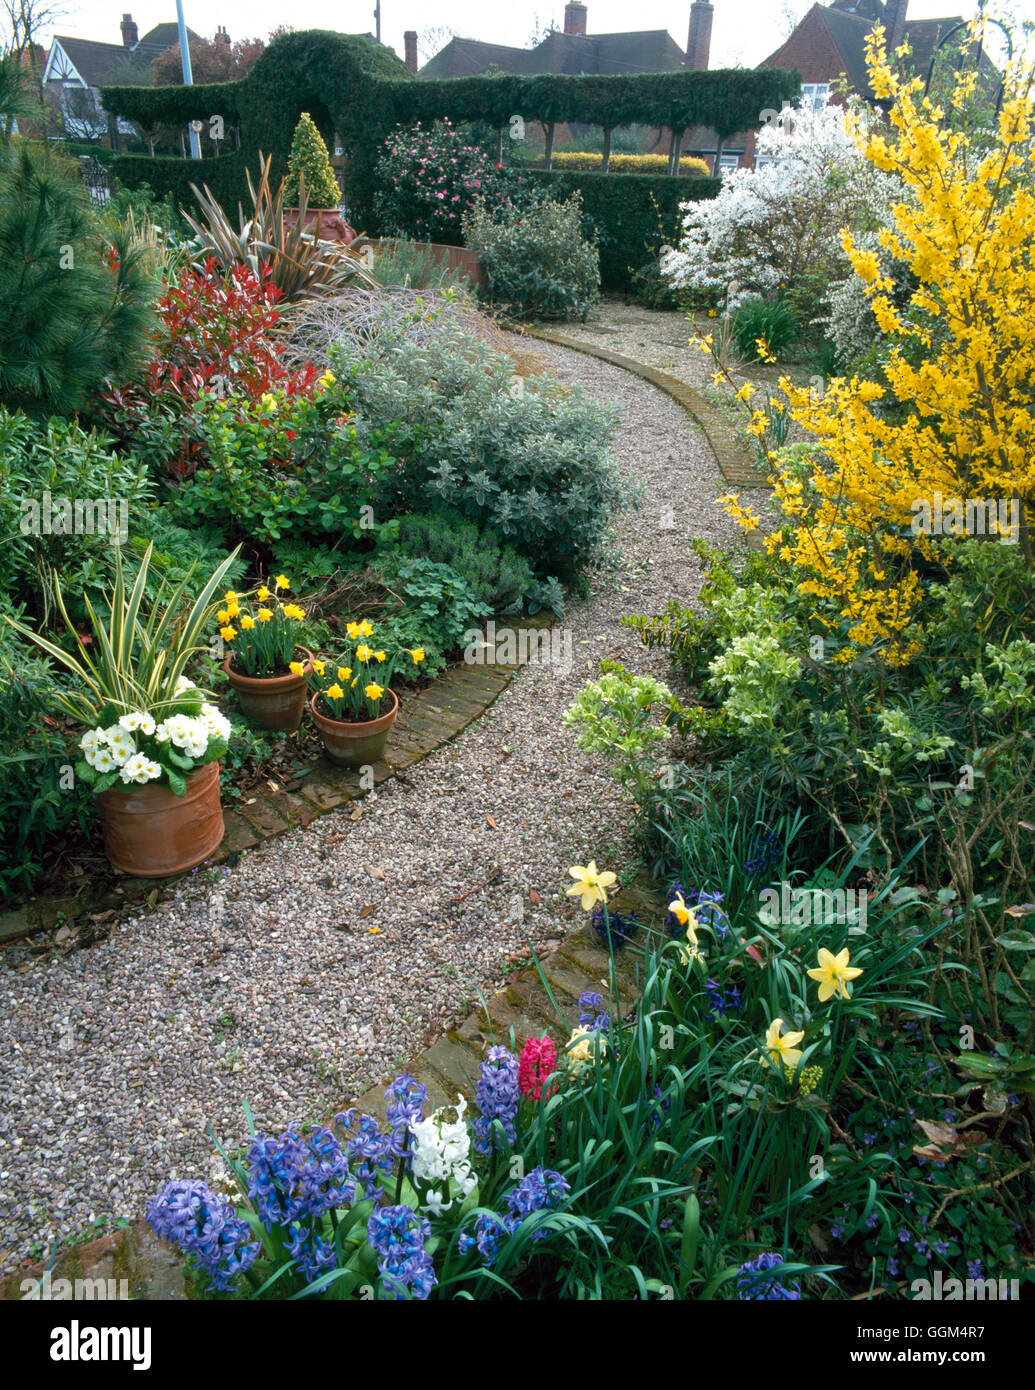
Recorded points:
(428, 177)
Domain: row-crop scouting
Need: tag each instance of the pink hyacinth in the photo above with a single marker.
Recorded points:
(538, 1059)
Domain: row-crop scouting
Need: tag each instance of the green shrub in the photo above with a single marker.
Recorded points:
(537, 262)
(310, 162)
(413, 265)
(48, 470)
(498, 576)
(39, 795)
(75, 307)
(773, 321)
(436, 607)
(523, 455)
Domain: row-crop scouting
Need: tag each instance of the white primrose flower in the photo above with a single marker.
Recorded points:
(90, 742)
(215, 721)
(182, 684)
(140, 769)
(137, 720)
(121, 745)
(101, 760)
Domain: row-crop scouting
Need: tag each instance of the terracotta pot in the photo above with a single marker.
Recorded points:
(355, 745)
(150, 832)
(271, 702)
(326, 224)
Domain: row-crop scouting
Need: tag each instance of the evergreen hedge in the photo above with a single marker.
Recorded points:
(353, 85)
(634, 214)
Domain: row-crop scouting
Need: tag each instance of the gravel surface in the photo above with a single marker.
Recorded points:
(266, 982)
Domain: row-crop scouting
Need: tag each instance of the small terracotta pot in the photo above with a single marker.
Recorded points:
(355, 745)
(271, 702)
(150, 832)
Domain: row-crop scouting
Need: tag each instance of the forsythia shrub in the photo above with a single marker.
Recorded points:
(954, 418)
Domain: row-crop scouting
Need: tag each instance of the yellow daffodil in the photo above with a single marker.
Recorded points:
(833, 974)
(344, 672)
(352, 629)
(335, 692)
(247, 622)
(296, 668)
(283, 582)
(228, 633)
(379, 656)
(591, 884)
(782, 1049)
(363, 652)
(264, 615)
(229, 596)
(294, 611)
(680, 911)
(365, 629)
(222, 617)
(233, 609)
(319, 667)
(418, 655)
(373, 691)
(262, 593)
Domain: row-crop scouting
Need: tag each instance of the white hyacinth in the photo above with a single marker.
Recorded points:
(441, 1153)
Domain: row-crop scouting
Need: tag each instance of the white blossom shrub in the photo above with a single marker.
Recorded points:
(776, 229)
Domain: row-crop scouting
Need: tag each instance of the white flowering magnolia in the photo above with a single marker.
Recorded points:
(440, 1154)
(778, 227)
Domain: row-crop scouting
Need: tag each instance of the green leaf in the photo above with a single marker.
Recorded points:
(177, 783)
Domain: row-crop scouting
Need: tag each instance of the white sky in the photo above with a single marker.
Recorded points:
(744, 31)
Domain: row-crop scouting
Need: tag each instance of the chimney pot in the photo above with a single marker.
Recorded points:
(575, 18)
(699, 39)
(410, 43)
(130, 32)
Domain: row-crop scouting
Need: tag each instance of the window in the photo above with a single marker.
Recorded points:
(729, 161)
(815, 94)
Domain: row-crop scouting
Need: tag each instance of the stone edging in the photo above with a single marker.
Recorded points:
(734, 461)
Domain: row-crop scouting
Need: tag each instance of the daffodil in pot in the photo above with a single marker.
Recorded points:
(267, 664)
(153, 742)
(352, 703)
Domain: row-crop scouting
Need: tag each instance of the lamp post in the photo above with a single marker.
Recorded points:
(188, 78)
(377, 21)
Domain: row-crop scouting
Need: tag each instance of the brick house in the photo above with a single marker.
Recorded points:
(829, 43)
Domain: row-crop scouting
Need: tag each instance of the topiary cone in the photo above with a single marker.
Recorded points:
(310, 160)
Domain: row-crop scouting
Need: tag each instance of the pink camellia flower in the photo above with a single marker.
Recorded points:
(538, 1059)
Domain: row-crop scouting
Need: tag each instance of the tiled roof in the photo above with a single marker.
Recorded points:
(649, 50)
(99, 64)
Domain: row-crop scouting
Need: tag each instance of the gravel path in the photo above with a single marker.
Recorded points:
(264, 983)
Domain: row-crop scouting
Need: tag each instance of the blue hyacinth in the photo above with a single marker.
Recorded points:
(590, 1013)
(497, 1095)
(206, 1227)
(293, 1177)
(397, 1235)
(751, 1287)
(540, 1190)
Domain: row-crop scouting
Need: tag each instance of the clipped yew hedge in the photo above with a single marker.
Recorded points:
(353, 85)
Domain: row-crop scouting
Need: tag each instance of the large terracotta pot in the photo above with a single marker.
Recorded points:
(150, 832)
(271, 702)
(355, 745)
(326, 224)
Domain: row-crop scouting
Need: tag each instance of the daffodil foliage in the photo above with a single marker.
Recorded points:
(954, 413)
